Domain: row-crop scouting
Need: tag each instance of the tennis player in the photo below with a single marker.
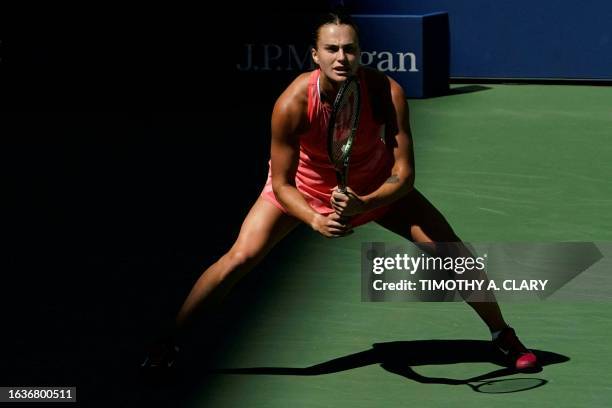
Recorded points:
(301, 185)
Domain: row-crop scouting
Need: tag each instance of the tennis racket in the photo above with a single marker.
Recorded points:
(343, 123)
(506, 386)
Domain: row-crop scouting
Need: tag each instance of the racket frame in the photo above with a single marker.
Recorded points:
(341, 166)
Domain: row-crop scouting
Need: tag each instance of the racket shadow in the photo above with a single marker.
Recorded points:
(400, 358)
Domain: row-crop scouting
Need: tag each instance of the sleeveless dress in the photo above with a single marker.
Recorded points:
(369, 166)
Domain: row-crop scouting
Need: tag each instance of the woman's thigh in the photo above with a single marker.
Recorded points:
(417, 219)
(264, 226)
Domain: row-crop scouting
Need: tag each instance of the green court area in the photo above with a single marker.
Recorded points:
(503, 163)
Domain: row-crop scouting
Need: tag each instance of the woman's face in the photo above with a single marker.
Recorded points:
(337, 51)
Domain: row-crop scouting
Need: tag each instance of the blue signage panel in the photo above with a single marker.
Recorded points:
(412, 49)
(519, 38)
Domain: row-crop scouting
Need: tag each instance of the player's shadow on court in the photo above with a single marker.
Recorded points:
(400, 357)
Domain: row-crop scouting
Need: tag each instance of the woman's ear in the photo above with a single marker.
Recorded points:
(315, 57)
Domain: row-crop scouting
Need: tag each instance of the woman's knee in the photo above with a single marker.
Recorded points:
(419, 234)
(241, 259)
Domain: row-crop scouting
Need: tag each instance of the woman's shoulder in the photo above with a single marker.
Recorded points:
(295, 96)
(291, 107)
(299, 86)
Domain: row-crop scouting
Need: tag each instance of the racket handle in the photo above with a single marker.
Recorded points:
(341, 176)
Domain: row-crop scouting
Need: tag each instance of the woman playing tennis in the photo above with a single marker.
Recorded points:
(302, 182)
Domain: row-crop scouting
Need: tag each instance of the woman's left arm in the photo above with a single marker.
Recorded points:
(399, 138)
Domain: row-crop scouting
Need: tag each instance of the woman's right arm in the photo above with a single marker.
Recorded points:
(288, 122)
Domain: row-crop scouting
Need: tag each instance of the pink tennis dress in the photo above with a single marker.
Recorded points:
(370, 163)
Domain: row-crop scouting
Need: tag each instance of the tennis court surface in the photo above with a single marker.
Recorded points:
(504, 163)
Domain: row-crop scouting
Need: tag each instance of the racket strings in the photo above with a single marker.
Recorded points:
(347, 111)
(342, 128)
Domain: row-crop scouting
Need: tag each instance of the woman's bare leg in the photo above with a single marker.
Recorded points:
(415, 218)
(264, 226)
